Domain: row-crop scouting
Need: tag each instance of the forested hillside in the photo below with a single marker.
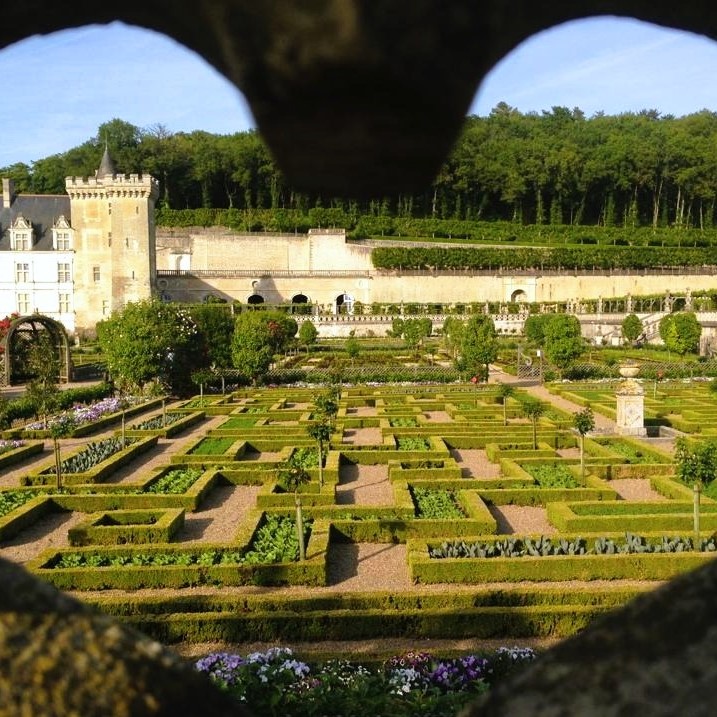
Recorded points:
(551, 169)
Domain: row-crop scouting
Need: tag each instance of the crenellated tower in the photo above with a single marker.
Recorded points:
(114, 240)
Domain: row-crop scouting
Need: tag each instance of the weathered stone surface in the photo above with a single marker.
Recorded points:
(58, 657)
(354, 97)
(657, 656)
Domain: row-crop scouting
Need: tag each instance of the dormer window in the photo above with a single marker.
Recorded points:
(21, 234)
(62, 235)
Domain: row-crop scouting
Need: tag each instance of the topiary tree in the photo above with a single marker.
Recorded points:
(505, 391)
(61, 427)
(696, 461)
(584, 422)
(533, 408)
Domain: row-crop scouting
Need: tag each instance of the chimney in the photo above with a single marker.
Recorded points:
(8, 193)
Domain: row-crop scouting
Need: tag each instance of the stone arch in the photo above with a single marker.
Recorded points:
(26, 329)
(518, 296)
(344, 303)
(255, 299)
(299, 299)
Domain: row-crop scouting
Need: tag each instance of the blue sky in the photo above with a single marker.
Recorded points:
(60, 88)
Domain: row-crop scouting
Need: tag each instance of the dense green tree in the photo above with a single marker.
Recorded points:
(479, 346)
(150, 341)
(353, 348)
(415, 331)
(631, 328)
(252, 345)
(452, 333)
(562, 340)
(681, 332)
(308, 334)
(215, 324)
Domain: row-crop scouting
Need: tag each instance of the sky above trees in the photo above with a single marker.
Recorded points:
(603, 64)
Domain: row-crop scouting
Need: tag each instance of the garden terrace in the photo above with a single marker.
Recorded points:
(404, 472)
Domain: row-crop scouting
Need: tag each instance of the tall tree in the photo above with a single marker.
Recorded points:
(479, 345)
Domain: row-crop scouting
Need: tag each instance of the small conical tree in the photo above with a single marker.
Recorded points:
(505, 391)
(290, 477)
(584, 422)
(533, 408)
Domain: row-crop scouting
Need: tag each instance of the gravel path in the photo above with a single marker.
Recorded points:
(362, 436)
(438, 417)
(521, 519)
(220, 516)
(474, 463)
(48, 532)
(636, 489)
(364, 485)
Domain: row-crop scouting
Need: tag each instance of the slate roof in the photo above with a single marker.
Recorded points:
(42, 210)
(107, 165)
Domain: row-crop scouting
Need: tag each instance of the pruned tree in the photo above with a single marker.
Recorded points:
(505, 391)
(291, 477)
(584, 422)
(533, 408)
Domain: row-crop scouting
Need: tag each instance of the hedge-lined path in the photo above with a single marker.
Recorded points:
(50, 531)
(364, 485)
(474, 463)
(519, 519)
(636, 489)
(220, 515)
(362, 437)
(368, 566)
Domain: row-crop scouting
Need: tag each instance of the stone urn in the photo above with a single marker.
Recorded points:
(629, 370)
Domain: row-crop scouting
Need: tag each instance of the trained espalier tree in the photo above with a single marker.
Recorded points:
(584, 422)
(150, 342)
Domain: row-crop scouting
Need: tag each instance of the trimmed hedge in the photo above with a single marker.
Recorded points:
(310, 572)
(98, 473)
(18, 455)
(120, 527)
(660, 566)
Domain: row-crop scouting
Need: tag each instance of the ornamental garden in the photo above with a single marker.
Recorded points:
(485, 523)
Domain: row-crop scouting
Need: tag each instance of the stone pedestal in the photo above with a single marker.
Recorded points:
(630, 408)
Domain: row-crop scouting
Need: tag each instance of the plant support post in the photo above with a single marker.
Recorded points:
(696, 515)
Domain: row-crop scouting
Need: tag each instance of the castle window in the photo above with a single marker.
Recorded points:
(23, 303)
(105, 307)
(22, 273)
(95, 273)
(64, 303)
(63, 272)
(109, 238)
(22, 241)
(63, 241)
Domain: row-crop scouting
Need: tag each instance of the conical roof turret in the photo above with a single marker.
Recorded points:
(107, 165)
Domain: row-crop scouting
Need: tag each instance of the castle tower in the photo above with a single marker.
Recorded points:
(113, 219)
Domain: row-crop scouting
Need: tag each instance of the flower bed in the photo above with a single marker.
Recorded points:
(14, 451)
(416, 683)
